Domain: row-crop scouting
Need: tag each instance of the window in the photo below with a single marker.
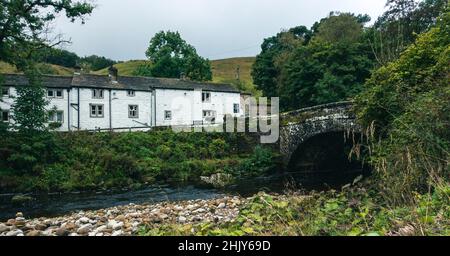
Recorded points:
(167, 115)
(5, 91)
(236, 108)
(96, 110)
(55, 93)
(133, 111)
(56, 117)
(209, 113)
(5, 116)
(206, 97)
(97, 93)
(131, 93)
(209, 116)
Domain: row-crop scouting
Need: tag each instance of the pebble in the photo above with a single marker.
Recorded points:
(4, 228)
(124, 220)
(84, 229)
(221, 206)
(181, 219)
(14, 232)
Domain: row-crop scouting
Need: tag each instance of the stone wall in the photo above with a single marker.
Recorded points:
(300, 125)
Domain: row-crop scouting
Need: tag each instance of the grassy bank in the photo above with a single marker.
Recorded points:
(356, 211)
(90, 161)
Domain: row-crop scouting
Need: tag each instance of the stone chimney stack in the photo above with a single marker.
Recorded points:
(77, 70)
(113, 74)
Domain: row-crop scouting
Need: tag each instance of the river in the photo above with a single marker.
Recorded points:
(50, 205)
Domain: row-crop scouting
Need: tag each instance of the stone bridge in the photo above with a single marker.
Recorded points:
(298, 126)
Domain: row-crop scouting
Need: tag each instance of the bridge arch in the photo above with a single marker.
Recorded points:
(299, 126)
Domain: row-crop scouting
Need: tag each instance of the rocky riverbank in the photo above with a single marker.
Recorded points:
(124, 220)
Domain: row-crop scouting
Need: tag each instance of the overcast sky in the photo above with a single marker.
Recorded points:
(218, 29)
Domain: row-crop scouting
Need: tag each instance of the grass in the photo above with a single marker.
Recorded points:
(45, 68)
(126, 68)
(7, 68)
(356, 211)
(225, 71)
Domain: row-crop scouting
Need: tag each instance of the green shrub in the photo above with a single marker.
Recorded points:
(260, 162)
(406, 112)
(85, 161)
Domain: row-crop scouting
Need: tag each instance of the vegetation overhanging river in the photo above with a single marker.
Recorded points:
(55, 204)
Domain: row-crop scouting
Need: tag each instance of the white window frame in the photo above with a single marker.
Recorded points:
(209, 113)
(8, 92)
(55, 113)
(209, 116)
(206, 97)
(96, 110)
(98, 94)
(131, 110)
(236, 108)
(7, 116)
(54, 93)
(131, 93)
(165, 115)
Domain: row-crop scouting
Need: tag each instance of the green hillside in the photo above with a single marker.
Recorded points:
(226, 70)
(48, 69)
(125, 68)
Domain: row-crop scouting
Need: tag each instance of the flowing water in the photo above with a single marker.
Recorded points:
(50, 205)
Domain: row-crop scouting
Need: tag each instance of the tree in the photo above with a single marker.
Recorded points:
(58, 57)
(24, 26)
(29, 106)
(305, 67)
(173, 57)
(23, 29)
(405, 105)
(399, 26)
(265, 71)
(95, 62)
(345, 27)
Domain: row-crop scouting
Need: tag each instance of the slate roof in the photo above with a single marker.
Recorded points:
(123, 82)
(47, 80)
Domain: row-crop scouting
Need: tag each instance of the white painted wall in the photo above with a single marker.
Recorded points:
(7, 101)
(186, 107)
(120, 102)
(59, 104)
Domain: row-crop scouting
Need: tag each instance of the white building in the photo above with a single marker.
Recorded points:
(93, 102)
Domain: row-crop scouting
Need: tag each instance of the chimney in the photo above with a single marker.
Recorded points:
(113, 73)
(77, 70)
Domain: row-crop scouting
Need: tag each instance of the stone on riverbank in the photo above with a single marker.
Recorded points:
(125, 220)
(218, 180)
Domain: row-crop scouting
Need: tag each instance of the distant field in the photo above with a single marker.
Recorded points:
(126, 68)
(224, 71)
(45, 68)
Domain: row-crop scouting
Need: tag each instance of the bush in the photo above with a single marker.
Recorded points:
(405, 109)
(260, 162)
(85, 161)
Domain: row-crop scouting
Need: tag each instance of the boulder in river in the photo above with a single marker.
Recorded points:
(21, 199)
(218, 180)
